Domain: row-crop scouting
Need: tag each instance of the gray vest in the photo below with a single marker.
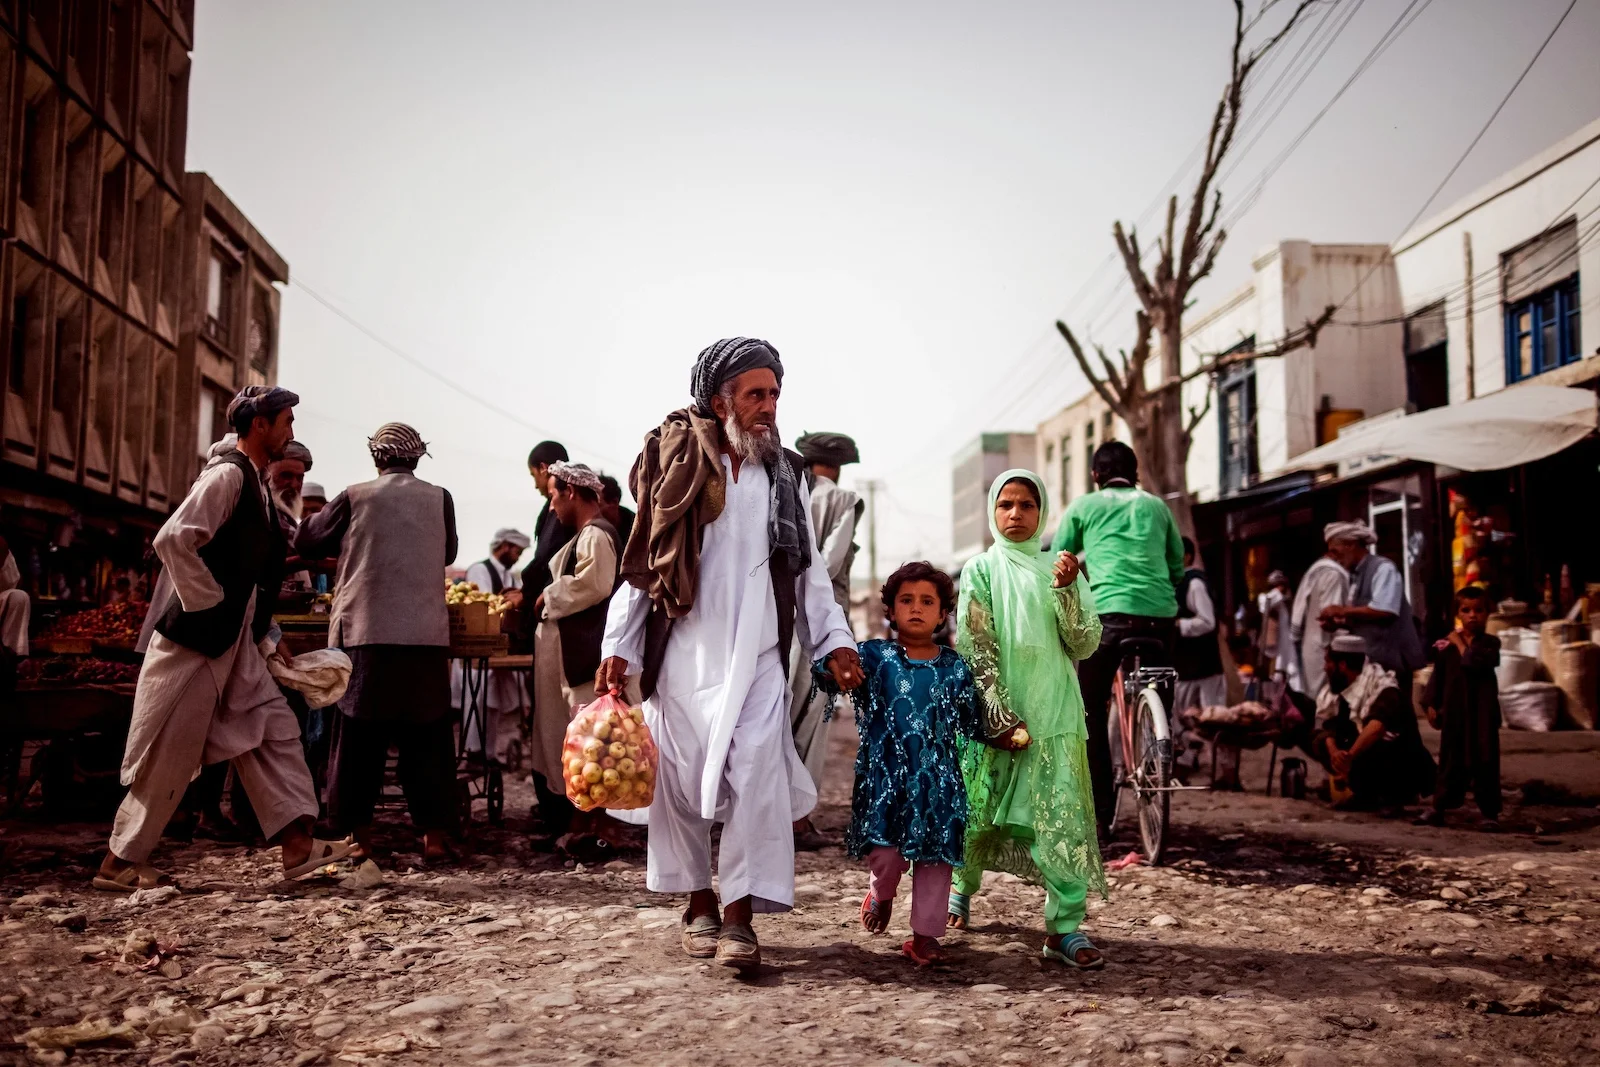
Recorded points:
(1393, 645)
(391, 566)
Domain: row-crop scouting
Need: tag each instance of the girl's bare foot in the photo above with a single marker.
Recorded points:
(958, 922)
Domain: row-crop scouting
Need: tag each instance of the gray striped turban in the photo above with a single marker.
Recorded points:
(396, 440)
(729, 358)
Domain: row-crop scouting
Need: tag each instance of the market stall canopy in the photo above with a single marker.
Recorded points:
(1504, 429)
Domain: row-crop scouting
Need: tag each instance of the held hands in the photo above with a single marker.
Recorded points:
(611, 676)
(1066, 569)
(845, 666)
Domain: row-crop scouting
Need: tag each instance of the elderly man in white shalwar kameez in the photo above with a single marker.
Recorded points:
(205, 694)
(720, 561)
(1325, 584)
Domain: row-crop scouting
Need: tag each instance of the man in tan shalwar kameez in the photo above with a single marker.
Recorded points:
(204, 693)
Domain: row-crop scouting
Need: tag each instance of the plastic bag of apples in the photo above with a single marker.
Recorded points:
(609, 757)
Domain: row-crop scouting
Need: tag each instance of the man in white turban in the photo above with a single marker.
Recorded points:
(506, 699)
(1368, 739)
(1325, 584)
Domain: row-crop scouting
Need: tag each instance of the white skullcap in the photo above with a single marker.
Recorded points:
(313, 491)
(1348, 644)
(1349, 531)
(509, 536)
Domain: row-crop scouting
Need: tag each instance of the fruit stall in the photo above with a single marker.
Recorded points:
(67, 718)
(478, 646)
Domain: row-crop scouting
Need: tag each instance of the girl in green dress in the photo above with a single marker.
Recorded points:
(1022, 624)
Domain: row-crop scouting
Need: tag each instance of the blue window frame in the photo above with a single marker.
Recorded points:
(1542, 331)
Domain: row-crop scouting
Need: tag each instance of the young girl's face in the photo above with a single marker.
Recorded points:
(1016, 512)
(917, 611)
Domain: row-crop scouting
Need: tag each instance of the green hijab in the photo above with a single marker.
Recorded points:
(1034, 666)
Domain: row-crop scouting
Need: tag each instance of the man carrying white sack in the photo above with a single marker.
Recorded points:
(205, 694)
(720, 561)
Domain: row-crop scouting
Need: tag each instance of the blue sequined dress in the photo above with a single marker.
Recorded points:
(910, 714)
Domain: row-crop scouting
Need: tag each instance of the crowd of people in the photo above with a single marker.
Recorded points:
(721, 607)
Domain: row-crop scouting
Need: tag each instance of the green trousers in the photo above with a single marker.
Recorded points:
(1065, 902)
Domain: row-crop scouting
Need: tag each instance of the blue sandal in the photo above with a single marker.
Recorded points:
(1071, 945)
(961, 908)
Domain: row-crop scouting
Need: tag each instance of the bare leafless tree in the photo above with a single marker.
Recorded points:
(1160, 427)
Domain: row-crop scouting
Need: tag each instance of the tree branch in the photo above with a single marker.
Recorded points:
(1196, 416)
(1306, 337)
(1128, 246)
(1100, 387)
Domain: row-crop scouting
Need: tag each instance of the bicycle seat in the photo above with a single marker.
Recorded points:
(1143, 646)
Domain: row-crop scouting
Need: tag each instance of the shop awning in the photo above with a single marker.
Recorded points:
(1504, 429)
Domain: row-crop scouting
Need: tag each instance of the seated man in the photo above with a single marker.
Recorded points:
(1369, 741)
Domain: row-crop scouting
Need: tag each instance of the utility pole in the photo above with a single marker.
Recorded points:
(872, 532)
(1471, 324)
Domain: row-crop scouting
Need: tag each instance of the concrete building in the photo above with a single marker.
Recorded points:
(1491, 284)
(230, 335)
(1264, 412)
(1064, 448)
(125, 284)
(972, 471)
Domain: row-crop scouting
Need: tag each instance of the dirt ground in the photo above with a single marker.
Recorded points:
(1278, 933)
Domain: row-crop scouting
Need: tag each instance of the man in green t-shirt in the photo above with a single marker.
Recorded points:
(1128, 544)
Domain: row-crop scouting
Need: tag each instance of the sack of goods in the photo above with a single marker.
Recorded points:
(321, 676)
(1531, 706)
(610, 757)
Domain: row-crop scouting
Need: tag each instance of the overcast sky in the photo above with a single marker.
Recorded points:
(556, 206)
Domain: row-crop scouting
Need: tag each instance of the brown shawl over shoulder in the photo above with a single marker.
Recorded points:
(679, 483)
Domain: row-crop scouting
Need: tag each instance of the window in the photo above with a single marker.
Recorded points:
(258, 345)
(1542, 331)
(221, 283)
(1066, 470)
(1236, 398)
(1427, 362)
(1107, 432)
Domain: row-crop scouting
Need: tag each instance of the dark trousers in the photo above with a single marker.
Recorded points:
(427, 771)
(1095, 677)
(1469, 758)
(554, 810)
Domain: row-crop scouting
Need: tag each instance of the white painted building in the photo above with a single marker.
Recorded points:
(1064, 447)
(971, 472)
(1495, 277)
(1266, 411)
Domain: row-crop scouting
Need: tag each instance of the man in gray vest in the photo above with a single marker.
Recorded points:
(394, 537)
(205, 695)
(835, 515)
(1379, 611)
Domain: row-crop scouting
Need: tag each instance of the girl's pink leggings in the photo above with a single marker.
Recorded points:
(930, 888)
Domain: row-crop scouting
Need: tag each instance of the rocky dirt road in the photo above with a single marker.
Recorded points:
(1280, 933)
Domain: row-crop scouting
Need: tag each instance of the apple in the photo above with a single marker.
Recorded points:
(592, 749)
(599, 794)
(637, 714)
(632, 751)
(610, 779)
(626, 767)
(601, 730)
(591, 772)
(617, 750)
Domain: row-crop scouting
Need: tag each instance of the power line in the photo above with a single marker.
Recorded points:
(431, 372)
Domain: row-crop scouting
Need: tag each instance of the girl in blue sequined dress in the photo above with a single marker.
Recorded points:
(909, 809)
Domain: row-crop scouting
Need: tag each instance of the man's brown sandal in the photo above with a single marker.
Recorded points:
(700, 935)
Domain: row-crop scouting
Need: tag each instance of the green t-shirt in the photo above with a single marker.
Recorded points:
(1130, 546)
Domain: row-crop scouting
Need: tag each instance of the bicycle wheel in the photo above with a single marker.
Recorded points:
(1153, 772)
(1119, 772)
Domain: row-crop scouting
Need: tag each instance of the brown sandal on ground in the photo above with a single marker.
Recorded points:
(875, 914)
(322, 854)
(132, 879)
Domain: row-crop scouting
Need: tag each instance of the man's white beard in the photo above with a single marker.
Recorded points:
(290, 503)
(755, 446)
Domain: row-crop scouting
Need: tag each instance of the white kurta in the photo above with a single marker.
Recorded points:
(1325, 584)
(15, 608)
(507, 696)
(1285, 650)
(720, 709)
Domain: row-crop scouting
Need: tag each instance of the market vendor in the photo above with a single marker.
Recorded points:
(15, 607)
(394, 537)
(506, 694)
(1369, 738)
(205, 694)
(287, 478)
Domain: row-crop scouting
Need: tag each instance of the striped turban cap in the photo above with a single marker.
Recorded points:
(396, 440)
(729, 358)
(576, 474)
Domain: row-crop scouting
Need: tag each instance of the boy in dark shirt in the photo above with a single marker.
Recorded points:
(1462, 699)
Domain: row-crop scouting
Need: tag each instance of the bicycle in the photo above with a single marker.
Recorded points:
(1146, 736)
